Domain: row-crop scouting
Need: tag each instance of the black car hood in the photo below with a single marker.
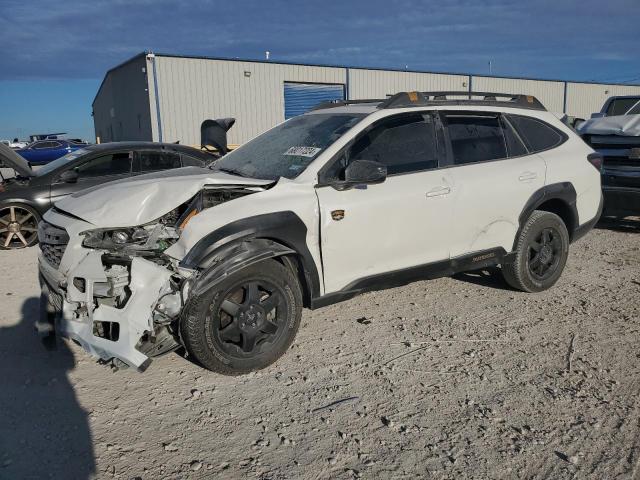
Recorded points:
(11, 159)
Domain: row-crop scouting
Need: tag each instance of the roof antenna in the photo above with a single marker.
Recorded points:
(266, 54)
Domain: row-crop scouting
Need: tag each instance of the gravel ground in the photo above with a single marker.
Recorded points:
(453, 378)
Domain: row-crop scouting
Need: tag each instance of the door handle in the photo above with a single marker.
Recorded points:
(438, 191)
(527, 176)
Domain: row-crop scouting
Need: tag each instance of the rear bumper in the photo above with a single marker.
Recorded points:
(621, 199)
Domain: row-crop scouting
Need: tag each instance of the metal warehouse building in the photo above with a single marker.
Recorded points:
(166, 97)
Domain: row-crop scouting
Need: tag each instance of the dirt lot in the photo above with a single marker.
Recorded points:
(453, 378)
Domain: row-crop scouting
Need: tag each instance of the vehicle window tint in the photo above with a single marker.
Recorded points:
(515, 147)
(41, 145)
(620, 106)
(475, 138)
(404, 144)
(536, 134)
(152, 161)
(112, 164)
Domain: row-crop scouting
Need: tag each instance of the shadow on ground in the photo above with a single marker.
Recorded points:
(44, 432)
(486, 277)
(620, 224)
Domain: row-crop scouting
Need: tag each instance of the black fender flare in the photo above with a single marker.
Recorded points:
(251, 240)
(564, 191)
(236, 256)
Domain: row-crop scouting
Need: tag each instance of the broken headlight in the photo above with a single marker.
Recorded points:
(147, 238)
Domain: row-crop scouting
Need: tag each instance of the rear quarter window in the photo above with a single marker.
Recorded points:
(537, 135)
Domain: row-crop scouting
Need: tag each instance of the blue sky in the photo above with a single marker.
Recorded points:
(53, 55)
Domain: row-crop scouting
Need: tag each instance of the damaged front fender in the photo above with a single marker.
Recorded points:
(234, 257)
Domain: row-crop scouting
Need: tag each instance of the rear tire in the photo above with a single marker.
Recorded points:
(246, 322)
(541, 252)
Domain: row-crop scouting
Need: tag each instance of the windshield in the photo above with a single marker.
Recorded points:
(623, 106)
(51, 166)
(289, 148)
(634, 110)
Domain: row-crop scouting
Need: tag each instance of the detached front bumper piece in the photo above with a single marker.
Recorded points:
(80, 306)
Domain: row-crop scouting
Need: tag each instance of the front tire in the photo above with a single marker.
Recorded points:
(18, 226)
(541, 251)
(246, 322)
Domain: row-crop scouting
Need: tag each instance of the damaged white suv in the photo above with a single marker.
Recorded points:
(351, 197)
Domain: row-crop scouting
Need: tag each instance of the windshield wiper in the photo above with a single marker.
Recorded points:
(231, 171)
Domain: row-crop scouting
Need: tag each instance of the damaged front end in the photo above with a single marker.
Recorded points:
(115, 291)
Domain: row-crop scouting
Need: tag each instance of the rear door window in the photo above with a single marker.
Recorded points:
(153, 161)
(475, 138)
(536, 134)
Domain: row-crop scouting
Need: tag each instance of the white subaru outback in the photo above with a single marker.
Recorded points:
(351, 197)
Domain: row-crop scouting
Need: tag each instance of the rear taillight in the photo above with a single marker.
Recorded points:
(595, 159)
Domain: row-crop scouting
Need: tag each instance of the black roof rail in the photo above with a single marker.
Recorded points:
(342, 103)
(416, 99)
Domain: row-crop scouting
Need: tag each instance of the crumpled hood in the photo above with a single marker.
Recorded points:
(142, 199)
(627, 125)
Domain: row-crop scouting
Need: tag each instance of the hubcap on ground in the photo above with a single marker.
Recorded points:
(18, 227)
(250, 316)
(544, 253)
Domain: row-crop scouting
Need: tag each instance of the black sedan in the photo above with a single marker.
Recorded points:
(25, 197)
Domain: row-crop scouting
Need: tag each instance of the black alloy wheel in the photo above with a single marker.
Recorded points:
(544, 253)
(540, 253)
(244, 322)
(251, 315)
(18, 227)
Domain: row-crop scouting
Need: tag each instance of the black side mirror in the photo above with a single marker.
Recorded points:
(69, 176)
(363, 172)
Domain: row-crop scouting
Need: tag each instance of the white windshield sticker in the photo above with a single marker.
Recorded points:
(303, 151)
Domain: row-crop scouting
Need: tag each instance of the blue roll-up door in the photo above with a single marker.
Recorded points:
(301, 97)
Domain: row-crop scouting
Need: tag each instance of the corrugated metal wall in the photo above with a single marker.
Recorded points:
(583, 99)
(551, 94)
(380, 84)
(191, 90)
(121, 108)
